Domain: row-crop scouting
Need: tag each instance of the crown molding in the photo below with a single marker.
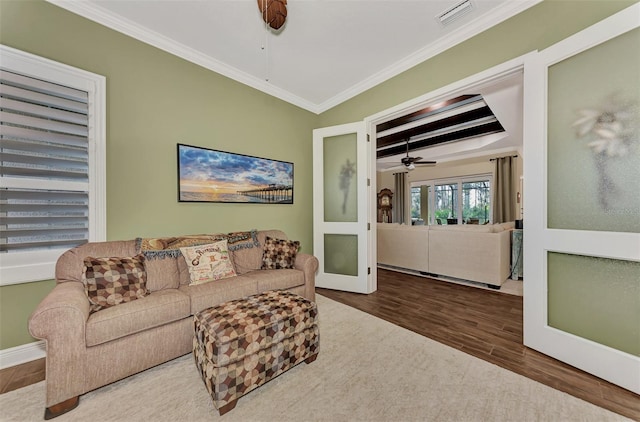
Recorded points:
(469, 30)
(110, 20)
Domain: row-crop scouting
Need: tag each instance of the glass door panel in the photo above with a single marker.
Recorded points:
(341, 254)
(596, 298)
(594, 138)
(340, 188)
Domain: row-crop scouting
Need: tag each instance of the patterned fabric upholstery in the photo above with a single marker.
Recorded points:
(208, 262)
(279, 254)
(111, 281)
(241, 344)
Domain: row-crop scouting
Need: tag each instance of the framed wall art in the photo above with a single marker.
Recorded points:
(208, 175)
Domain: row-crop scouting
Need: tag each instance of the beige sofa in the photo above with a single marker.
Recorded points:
(88, 350)
(479, 253)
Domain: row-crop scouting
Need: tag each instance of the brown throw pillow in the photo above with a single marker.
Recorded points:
(279, 253)
(112, 281)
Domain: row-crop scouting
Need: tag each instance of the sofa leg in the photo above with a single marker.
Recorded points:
(61, 408)
(227, 407)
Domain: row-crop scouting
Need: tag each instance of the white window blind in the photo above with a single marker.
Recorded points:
(44, 164)
(52, 160)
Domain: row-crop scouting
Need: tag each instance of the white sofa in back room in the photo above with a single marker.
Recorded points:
(479, 253)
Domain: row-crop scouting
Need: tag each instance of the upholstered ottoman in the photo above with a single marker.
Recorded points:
(241, 344)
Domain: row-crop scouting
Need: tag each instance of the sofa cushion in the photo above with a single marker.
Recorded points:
(279, 253)
(208, 262)
(162, 273)
(115, 280)
(164, 258)
(154, 310)
(276, 279)
(404, 246)
(205, 295)
(250, 259)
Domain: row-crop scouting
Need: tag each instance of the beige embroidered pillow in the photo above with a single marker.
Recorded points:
(112, 281)
(279, 253)
(208, 262)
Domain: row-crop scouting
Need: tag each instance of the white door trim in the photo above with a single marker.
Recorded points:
(484, 78)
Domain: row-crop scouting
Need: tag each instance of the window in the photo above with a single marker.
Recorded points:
(52, 163)
(476, 201)
(420, 204)
(446, 203)
(454, 201)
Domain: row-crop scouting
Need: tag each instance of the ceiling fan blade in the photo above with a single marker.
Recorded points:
(426, 163)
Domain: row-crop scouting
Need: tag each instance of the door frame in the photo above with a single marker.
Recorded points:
(487, 77)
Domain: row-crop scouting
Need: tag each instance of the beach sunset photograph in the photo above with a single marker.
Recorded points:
(207, 175)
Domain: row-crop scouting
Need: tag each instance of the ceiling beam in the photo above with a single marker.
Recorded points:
(402, 136)
(459, 135)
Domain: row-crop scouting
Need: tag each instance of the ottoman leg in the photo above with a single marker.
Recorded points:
(227, 407)
(310, 359)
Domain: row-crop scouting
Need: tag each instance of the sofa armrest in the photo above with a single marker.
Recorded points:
(61, 319)
(308, 264)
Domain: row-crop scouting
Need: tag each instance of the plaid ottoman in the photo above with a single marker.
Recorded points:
(241, 344)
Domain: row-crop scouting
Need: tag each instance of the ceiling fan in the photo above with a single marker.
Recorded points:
(411, 162)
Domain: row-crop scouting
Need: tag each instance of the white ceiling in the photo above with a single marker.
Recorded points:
(327, 52)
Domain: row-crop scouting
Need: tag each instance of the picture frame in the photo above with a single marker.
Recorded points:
(210, 175)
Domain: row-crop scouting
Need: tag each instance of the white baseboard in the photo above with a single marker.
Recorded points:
(22, 354)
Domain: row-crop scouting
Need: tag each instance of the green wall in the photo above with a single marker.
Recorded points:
(156, 100)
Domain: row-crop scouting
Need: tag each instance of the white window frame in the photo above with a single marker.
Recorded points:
(453, 180)
(29, 266)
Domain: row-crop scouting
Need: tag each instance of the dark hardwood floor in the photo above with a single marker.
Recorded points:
(483, 323)
(20, 376)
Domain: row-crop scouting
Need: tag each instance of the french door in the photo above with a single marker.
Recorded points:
(582, 205)
(341, 208)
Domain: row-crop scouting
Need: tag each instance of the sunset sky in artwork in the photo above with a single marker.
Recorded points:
(204, 170)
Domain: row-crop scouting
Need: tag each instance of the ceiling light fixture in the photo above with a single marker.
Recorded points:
(274, 12)
(454, 12)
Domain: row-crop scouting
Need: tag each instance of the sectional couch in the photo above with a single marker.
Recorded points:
(479, 253)
(87, 350)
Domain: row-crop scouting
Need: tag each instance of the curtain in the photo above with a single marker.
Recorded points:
(504, 207)
(399, 197)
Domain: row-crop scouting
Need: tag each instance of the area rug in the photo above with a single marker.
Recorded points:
(368, 370)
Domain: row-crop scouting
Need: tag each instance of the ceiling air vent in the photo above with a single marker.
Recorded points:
(455, 12)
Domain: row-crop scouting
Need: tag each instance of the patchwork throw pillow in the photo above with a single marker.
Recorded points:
(208, 262)
(279, 253)
(112, 281)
